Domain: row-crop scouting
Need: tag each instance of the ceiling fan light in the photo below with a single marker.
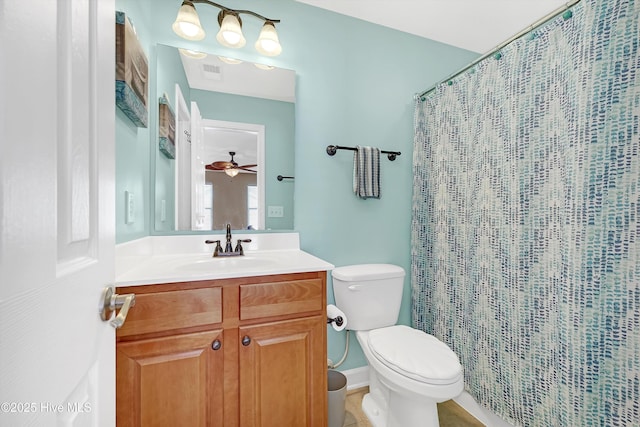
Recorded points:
(187, 23)
(231, 172)
(268, 43)
(230, 34)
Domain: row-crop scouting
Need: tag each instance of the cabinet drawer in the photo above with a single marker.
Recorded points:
(164, 311)
(280, 298)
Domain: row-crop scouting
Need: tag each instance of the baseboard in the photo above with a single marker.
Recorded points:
(482, 414)
(359, 377)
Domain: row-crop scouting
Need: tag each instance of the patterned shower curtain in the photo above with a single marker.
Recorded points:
(526, 221)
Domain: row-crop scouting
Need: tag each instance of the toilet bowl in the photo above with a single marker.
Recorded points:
(410, 371)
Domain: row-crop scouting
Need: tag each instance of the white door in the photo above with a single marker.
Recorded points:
(57, 358)
(183, 163)
(197, 170)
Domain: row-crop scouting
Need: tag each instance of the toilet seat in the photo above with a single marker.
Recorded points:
(415, 354)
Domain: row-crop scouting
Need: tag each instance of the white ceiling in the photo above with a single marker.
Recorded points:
(244, 78)
(475, 25)
(218, 141)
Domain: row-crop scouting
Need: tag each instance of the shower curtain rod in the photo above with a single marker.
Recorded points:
(530, 28)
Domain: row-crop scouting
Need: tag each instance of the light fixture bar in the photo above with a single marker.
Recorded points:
(235, 11)
(187, 25)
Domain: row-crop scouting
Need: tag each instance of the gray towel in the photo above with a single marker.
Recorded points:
(366, 172)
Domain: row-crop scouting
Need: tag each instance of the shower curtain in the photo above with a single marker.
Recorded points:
(526, 221)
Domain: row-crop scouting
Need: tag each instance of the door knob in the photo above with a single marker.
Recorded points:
(216, 345)
(246, 340)
(111, 302)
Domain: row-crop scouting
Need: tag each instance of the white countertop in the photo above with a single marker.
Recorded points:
(167, 259)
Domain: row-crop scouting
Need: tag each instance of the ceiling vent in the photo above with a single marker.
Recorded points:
(212, 72)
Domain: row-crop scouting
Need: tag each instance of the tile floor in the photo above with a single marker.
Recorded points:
(451, 414)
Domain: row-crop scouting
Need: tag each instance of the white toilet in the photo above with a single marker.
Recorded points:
(409, 371)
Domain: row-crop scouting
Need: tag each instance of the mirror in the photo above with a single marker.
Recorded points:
(221, 107)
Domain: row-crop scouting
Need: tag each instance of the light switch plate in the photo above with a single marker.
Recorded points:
(129, 208)
(275, 211)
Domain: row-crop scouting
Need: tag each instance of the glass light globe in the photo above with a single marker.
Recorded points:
(187, 23)
(268, 43)
(231, 172)
(230, 34)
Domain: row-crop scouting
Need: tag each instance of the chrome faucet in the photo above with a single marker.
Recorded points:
(228, 249)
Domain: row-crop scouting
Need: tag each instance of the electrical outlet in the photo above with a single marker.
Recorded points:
(129, 208)
(275, 211)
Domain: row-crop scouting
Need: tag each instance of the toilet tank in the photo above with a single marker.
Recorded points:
(369, 294)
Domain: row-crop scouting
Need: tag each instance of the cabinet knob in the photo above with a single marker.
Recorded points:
(246, 340)
(216, 345)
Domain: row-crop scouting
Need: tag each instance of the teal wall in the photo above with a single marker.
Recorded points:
(133, 145)
(169, 72)
(355, 85)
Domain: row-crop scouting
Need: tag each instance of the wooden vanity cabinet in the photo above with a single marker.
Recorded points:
(167, 381)
(230, 352)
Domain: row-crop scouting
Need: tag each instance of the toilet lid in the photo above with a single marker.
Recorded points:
(415, 354)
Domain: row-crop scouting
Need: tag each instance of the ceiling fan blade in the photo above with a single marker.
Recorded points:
(222, 165)
(248, 170)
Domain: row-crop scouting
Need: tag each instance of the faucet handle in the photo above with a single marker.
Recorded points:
(218, 248)
(239, 245)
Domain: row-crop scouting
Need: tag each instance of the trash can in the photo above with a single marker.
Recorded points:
(337, 385)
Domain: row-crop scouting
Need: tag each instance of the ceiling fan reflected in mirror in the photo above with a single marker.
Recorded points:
(230, 167)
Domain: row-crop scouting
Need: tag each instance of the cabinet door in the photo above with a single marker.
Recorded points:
(283, 373)
(170, 381)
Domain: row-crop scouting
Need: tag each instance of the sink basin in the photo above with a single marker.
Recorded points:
(208, 263)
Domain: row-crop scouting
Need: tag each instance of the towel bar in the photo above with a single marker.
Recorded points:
(331, 150)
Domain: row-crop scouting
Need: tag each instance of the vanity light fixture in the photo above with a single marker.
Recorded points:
(187, 25)
(264, 66)
(230, 61)
(268, 43)
(192, 53)
(230, 34)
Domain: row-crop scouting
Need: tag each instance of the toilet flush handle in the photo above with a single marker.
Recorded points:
(354, 287)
